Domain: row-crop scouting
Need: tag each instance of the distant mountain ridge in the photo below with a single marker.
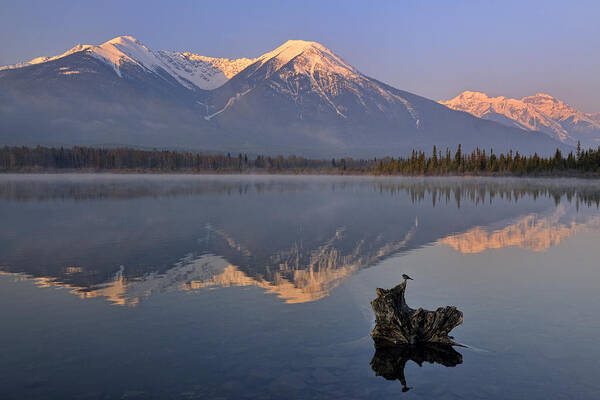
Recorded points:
(541, 112)
(300, 98)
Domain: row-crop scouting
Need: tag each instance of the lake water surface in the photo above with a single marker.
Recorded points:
(243, 287)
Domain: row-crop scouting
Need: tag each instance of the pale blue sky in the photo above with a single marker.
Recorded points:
(432, 48)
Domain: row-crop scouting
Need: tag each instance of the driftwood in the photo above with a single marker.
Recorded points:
(390, 362)
(397, 324)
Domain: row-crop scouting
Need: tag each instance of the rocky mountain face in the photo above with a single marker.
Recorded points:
(300, 98)
(540, 112)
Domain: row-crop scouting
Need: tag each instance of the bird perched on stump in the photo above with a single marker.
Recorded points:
(406, 277)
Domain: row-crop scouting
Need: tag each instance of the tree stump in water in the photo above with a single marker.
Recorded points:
(397, 324)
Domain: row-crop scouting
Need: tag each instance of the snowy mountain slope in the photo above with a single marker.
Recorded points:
(189, 69)
(204, 72)
(300, 98)
(541, 112)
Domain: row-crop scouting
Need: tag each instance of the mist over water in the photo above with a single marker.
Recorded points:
(150, 286)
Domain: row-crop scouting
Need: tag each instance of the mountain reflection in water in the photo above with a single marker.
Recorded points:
(533, 232)
(124, 238)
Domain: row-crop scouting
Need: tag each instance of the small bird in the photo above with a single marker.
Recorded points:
(407, 277)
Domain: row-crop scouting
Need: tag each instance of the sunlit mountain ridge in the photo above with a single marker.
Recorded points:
(541, 112)
(532, 232)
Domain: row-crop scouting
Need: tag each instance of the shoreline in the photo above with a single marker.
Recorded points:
(260, 172)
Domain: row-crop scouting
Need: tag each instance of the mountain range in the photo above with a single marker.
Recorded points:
(300, 98)
(540, 112)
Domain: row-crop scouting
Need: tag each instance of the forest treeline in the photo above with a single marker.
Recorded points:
(436, 163)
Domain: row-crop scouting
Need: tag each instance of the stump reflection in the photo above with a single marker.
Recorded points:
(390, 362)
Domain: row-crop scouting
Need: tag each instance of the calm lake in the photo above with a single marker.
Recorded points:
(244, 287)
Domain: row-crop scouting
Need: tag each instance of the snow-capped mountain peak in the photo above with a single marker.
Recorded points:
(125, 49)
(114, 52)
(553, 107)
(125, 40)
(540, 112)
(314, 56)
(293, 48)
(38, 60)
